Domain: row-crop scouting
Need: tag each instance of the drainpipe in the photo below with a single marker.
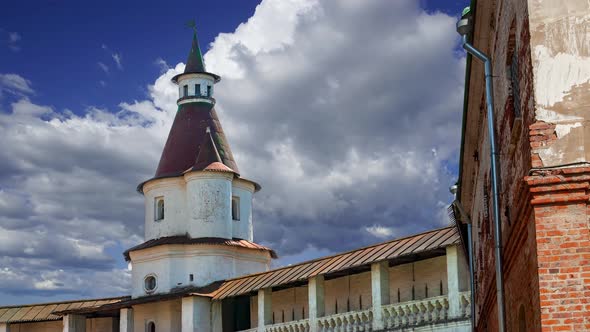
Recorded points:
(464, 28)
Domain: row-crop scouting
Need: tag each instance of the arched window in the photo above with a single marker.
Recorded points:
(151, 327)
(159, 209)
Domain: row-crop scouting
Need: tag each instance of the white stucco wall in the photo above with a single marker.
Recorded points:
(429, 272)
(166, 315)
(191, 80)
(175, 217)
(172, 265)
(209, 204)
(104, 324)
(356, 288)
(243, 228)
(199, 204)
(56, 326)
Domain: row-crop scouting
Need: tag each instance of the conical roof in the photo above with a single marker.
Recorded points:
(194, 62)
(195, 141)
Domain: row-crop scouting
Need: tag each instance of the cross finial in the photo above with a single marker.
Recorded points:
(191, 24)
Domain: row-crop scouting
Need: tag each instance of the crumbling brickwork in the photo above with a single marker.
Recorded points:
(542, 158)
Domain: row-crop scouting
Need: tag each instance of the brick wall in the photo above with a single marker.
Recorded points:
(560, 200)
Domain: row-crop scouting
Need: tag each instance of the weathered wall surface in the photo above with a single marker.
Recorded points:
(56, 326)
(167, 316)
(502, 32)
(92, 325)
(560, 43)
(541, 121)
(172, 265)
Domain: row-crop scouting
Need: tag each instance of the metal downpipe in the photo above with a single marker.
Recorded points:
(495, 180)
(472, 275)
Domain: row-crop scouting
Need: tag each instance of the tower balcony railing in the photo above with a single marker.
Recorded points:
(402, 315)
(196, 96)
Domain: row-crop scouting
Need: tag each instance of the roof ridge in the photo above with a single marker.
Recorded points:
(63, 302)
(342, 253)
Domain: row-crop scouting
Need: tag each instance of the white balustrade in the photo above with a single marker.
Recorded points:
(465, 298)
(301, 325)
(348, 321)
(428, 311)
(433, 310)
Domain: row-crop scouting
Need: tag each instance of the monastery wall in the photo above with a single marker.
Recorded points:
(167, 315)
(353, 293)
(539, 51)
(92, 325)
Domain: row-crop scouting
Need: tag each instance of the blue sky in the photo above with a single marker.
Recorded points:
(61, 42)
(345, 157)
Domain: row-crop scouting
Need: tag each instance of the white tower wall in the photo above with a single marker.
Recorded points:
(209, 204)
(173, 191)
(172, 265)
(243, 228)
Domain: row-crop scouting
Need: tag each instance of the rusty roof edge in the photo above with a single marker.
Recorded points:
(64, 302)
(343, 253)
(452, 229)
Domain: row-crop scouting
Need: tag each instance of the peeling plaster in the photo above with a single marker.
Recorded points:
(563, 129)
(560, 40)
(555, 75)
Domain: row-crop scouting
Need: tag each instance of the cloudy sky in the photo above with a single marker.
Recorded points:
(347, 112)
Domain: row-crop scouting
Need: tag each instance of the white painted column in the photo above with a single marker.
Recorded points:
(379, 292)
(264, 308)
(316, 301)
(4, 327)
(216, 316)
(126, 320)
(196, 314)
(74, 323)
(453, 274)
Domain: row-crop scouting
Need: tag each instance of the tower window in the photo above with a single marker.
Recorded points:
(191, 277)
(150, 283)
(185, 90)
(208, 91)
(197, 89)
(235, 208)
(159, 209)
(151, 327)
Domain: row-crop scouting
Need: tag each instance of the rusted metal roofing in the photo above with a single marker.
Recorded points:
(391, 250)
(45, 311)
(174, 293)
(185, 240)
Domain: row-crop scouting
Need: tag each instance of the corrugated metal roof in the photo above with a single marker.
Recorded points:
(183, 239)
(412, 245)
(44, 311)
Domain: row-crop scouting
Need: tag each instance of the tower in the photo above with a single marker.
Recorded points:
(198, 209)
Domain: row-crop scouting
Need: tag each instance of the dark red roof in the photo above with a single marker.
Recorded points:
(186, 240)
(190, 146)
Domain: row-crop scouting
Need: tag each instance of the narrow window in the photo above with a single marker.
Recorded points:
(235, 208)
(159, 207)
(151, 327)
(185, 90)
(208, 91)
(191, 277)
(197, 89)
